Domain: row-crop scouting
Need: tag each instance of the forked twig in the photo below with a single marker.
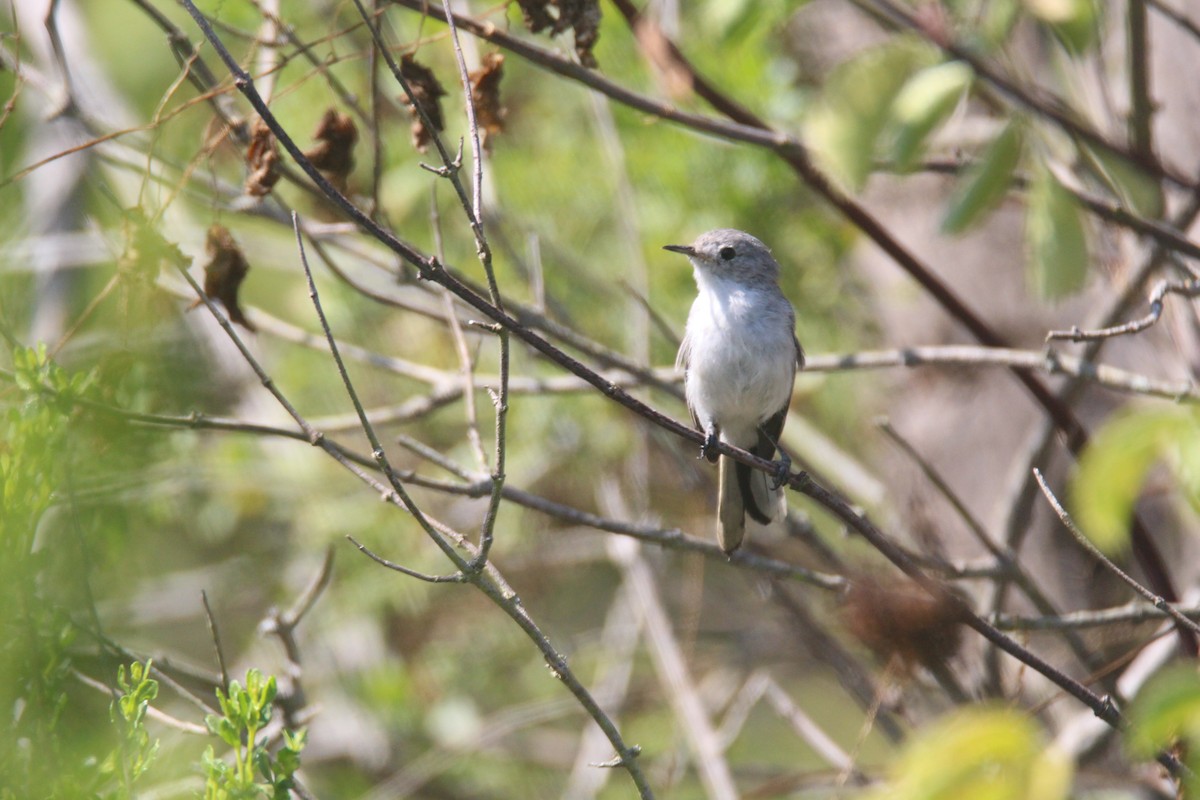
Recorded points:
(1189, 289)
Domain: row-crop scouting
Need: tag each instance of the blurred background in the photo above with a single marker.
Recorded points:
(944, 183)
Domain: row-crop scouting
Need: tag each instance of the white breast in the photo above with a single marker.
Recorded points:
(741, 357)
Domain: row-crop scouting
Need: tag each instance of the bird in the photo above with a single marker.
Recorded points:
(739, 356)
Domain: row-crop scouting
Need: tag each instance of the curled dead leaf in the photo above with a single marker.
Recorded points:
(536, 14)
(223, 274)
(485, 94)
(428, 93)
(262, 157)
(333, 154)
(584, 18)
(580, 16)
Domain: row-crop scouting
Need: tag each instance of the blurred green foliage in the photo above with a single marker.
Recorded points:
(1117, 463)
(1165, 717)
(992, 753)
(138, 749)
(118, 510)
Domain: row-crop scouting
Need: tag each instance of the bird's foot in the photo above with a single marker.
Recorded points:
(783, 470)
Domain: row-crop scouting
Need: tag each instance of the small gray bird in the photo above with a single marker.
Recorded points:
(739, 356)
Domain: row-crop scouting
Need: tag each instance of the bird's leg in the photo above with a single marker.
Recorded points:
(783, 470)
(708, 450)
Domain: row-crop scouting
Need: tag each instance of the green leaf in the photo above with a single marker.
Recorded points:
(1055, 236)
(1075, 22)
(1136, 190)
(984, 186)
(926, 100)
(224, 728)
(1167, 708)
(992, 753)
(1113, 468)
(855, 105)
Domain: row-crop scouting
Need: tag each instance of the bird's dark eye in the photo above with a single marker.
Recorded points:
(728, 253)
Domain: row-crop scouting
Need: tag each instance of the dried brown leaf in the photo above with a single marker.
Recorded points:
(262, 157)
(333, 154)
(558, 16)
(226, 269)
(428, 93)
(485, 95)
(582, 16)
(537, 15)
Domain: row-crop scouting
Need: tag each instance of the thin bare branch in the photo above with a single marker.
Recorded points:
(152, 712)
(214, 632)
(1130, 614)
(1152, 598)
(454, 577)
(1188, 289)
(1003, 555)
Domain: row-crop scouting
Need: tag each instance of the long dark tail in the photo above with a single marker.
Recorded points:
(742, 491)
(731, 514)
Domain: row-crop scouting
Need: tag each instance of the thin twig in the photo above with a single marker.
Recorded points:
(377, 450)
(478, 571)
(1005, 556)
(1129, 614)
(1141, 111)
(1156, 601)
(435, 456)
(451, 165)
(1188, 289)
(454, 577)
(216, 639)
(283, 626)
(152, 712)
(1177, 17)
(484, 253)
(466, 363)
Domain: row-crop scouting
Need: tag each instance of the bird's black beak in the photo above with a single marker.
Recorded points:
(686, 249)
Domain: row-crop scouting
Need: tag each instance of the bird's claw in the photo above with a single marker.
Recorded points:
(708, 450)
(783, 471)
